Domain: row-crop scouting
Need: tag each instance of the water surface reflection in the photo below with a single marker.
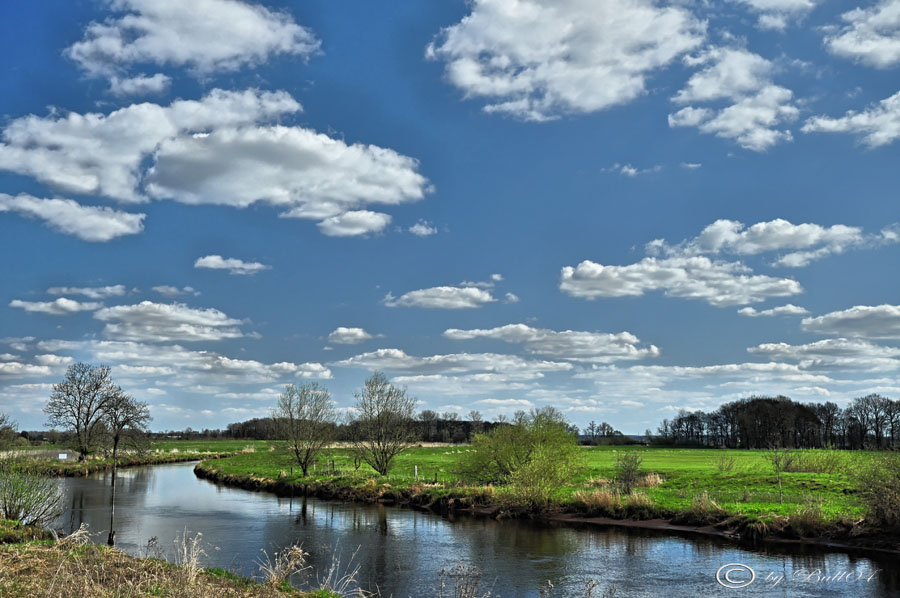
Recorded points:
(402, 551)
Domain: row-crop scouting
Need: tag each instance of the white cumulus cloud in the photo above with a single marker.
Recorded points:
(102, 154)
(183, 368)
(396, 360)
(343, 335)
(203, 35)
(782, 310)
(834, 353)
(158, 322)
(539, 59)
(809, 241)
(422, 228)
(233, 265)
(169, 291)
(354, 223)
(871, 35)
(139, 85)
(57, 307)
(866, 321)
(92, 292)
(446, 297)
(221, 149)
(777, 14)
(96, 224)
(571, 345)
(877, 125)
(718, 283)
(749, 107)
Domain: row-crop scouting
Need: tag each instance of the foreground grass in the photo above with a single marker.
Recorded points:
(693, 486)
(64, 570)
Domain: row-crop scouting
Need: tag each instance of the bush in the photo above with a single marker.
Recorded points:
(829, 461)
(628, 466)
(27, 496)
(725, 463)
(536, 456)
(534, 483)
(879, 486)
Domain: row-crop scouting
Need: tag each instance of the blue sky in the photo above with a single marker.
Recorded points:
(616, 208)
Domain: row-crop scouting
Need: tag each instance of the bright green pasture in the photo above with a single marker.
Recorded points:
(750, 487)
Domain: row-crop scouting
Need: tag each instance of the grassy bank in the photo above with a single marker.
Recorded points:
(158, 453)
(13, 532)
(74, 567)
(736, 490)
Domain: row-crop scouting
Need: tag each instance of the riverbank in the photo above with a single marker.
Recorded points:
(74, 568)
(680, 495)
(93, 465)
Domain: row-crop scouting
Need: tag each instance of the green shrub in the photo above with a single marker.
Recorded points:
(628, 467)
(828, 461)
(535, 456)
(725, 463)
(26, 495)
(879, 486)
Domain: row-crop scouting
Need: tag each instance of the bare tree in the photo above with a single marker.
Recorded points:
(122, 415)
(306, 416)
(477, 425)
(382, 423)
(77, 403)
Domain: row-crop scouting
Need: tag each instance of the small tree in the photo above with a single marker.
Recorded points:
(122, 415)
(628, 467)
(781, 460)
(383, 423)
(77, 403)
(306, 418)
(7, 431)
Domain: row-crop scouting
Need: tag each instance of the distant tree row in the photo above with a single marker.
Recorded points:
(426, 426)
(869, 422)
(604, 434)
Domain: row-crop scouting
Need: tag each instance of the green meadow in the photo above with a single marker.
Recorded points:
(739, 481)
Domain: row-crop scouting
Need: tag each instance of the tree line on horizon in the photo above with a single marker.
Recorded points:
(869, 422)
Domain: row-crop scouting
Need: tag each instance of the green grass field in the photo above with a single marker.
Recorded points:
(750, 487)
(741, 482)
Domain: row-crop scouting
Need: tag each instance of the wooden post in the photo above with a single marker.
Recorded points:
(417, 472)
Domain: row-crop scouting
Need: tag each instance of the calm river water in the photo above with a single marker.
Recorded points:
(401, 551)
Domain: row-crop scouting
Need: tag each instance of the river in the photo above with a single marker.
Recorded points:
(401, 551)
